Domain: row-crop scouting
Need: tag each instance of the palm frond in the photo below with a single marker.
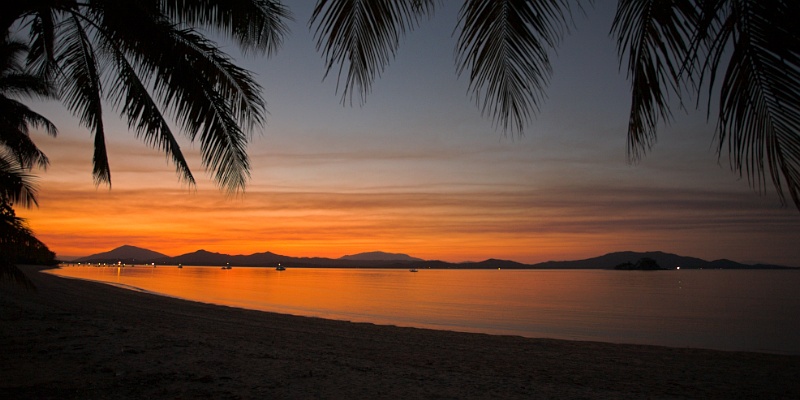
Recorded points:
(26, 85)
(208, 94)
(15, 117)
(204, 110)
(130, 96)
(235, 86)
(82, 90)
(258, 25)
(17, 186)
(10, 53)
(194, 80)
(128, 79)
(42, 56)
(223, 145)
(361, 37)
(505, 46)
(154, 43)
(15, 79)
(14, 136)
(760, 98)
(674, 46)
(159, 64)
(655, 36)
(200, 85)
(20, 115)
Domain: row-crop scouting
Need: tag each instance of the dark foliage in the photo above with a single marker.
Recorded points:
(644, 264)
(18, 245)
(147, 59)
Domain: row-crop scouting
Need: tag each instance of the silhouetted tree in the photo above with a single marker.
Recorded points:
(625, 266)
(147, 59)
(18, 153)
(18, 245)
(645, 263)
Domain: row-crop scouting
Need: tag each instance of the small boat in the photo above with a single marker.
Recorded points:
(280, 268)
(412, 270)
(180, 265)
(226, 266)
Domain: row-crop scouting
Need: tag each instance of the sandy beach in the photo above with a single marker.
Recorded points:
(82, 340)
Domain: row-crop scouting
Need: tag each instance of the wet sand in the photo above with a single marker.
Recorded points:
(82, 340)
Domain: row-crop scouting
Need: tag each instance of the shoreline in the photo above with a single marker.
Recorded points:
(81, 339)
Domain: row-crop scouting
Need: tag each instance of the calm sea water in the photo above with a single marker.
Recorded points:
(716, 309)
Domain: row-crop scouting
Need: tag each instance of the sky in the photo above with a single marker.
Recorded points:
(418, 170)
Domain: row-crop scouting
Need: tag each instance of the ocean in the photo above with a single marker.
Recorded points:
(736, 310)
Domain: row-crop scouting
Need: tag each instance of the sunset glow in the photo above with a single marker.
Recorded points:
(417, 170)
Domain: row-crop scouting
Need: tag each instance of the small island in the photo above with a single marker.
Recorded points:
(644, 264)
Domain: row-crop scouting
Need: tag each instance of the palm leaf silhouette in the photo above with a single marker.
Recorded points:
(256, 25)
(361, 37)
(149, 62)
(655, 36)
(678, 47)
(759, 115)
(505, 46)
(15, 117)
(79, 79)
(17, 185)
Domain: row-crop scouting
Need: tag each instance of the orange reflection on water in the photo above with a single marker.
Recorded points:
(727, 310)
(382, 296)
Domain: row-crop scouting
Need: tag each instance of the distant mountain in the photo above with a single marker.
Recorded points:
(377, 259)
(203, 257)
(491, 263)
(665, 260)
(380, 256)
(607, 261)
(126, 254)
(199, 257)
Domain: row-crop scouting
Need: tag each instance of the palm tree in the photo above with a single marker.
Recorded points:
(18, 245)
(147, 60)
(748, 48)
(18, 155)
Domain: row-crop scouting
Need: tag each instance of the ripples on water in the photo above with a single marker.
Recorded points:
(719, 309)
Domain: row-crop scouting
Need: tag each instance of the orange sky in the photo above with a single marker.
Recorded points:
(418, 170)
(147, 207)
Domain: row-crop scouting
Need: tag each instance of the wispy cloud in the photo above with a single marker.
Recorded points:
(528, 225)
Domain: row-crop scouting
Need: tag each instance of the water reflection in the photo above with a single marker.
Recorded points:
(731, 310)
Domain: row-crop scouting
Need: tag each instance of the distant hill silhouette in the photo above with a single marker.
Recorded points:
(378, 259)
(380, 256)
(199, 257)
(665, 260)
(126, 254)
